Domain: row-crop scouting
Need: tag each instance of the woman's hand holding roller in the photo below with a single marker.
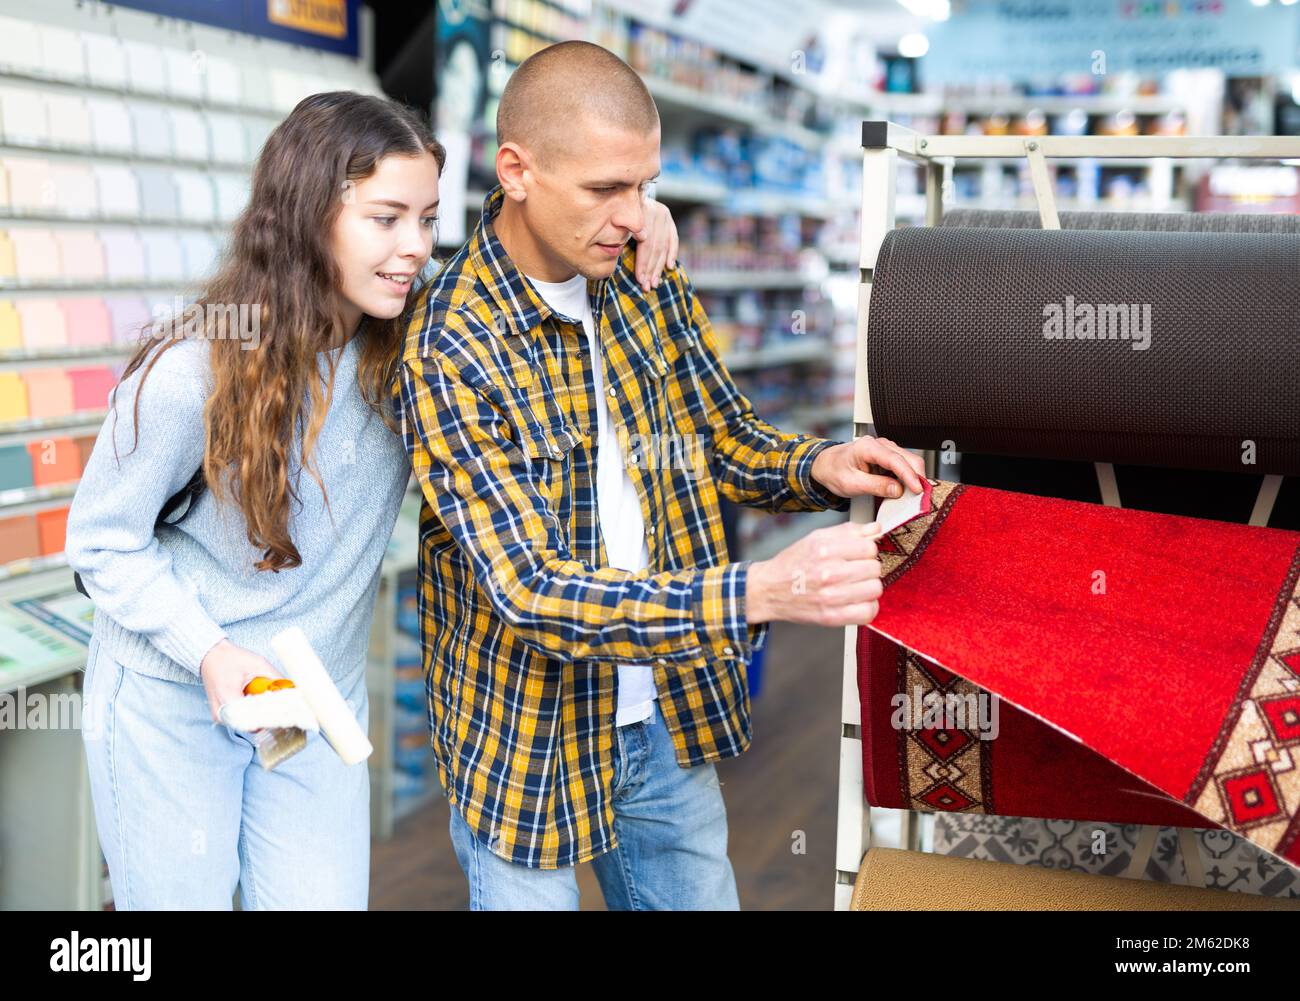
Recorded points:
(226, 669)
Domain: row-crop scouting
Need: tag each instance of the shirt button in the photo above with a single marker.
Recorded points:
(728, 651)
(662, 662)
(612, 391)
(555, 453)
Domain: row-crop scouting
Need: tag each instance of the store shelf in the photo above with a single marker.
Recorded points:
(85, 419)
(688, 102)
(12, 214)
(12, 144)
(1095, 104)
(672, 189)
(65, 353)
(83, 88)
(796, 352)
(30, 495)
(35, 565)
(718, 281)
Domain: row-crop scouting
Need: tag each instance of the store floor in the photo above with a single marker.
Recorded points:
(783, 785)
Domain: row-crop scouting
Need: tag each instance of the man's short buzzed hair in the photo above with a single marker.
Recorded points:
(552, 88)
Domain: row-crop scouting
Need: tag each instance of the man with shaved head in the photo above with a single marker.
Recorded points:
(586, 635)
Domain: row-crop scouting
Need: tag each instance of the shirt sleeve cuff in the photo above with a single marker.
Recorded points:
(800, 477)
(720, 621)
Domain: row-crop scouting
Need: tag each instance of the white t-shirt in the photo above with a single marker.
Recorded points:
(621, 523)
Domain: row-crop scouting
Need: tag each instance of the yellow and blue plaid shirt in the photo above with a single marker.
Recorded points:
(523, 623)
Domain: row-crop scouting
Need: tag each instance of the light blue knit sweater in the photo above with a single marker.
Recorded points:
(163, 599)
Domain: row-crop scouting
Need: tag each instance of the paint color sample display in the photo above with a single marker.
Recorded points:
(30, 186)
(24, 119)
(15, 467)
(36, 254)
(11, 331)
(128, 315)
(69, 120)
(157, 193)
(189, 135)
(43, 324)
(20, 539)
(123, 254)
(13, 397)
(54, 460)
(152, 130)
(91, 387)
(110, 124)
(119, 193)
(53, 529)
(162, 255)
(229, 143)
(87, 322)
(74, 190)
(49, 392)
(85, 445)
(81, 254)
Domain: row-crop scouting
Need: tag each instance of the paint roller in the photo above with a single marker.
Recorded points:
(337, 721)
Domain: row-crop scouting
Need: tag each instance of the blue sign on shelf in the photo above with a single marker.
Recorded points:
(1047, 39)
(321, 24)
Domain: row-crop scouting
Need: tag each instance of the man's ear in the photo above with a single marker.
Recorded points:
(512, 170)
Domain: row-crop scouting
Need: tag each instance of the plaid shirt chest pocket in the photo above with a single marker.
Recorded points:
(558, 462)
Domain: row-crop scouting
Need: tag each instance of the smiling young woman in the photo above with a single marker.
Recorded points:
(339, 222)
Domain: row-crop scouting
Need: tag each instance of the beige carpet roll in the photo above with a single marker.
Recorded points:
(893, 880)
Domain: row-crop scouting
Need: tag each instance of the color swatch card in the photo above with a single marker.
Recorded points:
(20, 539)
(69, 121)
(82, 254)
(36, 255)
(13, 397)
(91, 387)
(23, 117)
(42, 324)
(228, 140)
(189, 134)
(105, 60)
(87, 322)
(153, 132)
(74, 190)
(31, 188)
(123, 255)
(49, 392)
(11, 331)
(110, 124)
(54, 461)
(15, 468)
(119, 192)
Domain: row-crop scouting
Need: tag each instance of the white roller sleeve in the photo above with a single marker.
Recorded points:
(336, 720)
(270, 710)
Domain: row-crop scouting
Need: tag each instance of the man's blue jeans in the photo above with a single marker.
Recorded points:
(671, 826)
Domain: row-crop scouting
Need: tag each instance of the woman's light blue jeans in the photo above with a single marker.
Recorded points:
(186, 813)
(671, 825)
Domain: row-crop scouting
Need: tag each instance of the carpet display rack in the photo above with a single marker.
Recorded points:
(1116, 242)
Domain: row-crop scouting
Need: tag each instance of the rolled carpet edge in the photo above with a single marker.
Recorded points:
(891, 879)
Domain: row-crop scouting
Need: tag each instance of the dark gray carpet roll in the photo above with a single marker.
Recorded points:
(972, 340)
(1157, 222)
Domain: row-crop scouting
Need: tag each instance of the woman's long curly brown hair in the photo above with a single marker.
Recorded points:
(279, 261)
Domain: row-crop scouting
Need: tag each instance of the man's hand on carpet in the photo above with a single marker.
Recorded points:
(830, 577)
(846, 469)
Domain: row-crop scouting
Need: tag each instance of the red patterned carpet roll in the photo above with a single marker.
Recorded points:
(1048, 658)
